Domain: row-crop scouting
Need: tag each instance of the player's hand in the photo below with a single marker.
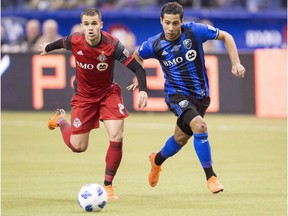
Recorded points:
(42, 49)
(142, 99)
(238, 70)
(133, 86)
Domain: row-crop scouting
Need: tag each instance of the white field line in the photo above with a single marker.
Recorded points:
(152, 125)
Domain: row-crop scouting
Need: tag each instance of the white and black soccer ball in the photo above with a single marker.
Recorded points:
(92, 197)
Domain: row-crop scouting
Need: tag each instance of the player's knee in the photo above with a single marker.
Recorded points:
(116, 137)
(78, 150)
(199, 126)
(79, 147)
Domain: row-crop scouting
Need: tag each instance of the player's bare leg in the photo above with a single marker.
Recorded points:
(77, 143)
(80, 141)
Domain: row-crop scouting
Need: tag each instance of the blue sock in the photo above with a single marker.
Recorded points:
(170, 148)
(203, 150)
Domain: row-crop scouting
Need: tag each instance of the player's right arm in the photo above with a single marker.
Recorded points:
(62, 43)
(42, 49)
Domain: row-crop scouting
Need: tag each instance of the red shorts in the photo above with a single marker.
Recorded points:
(87, 112)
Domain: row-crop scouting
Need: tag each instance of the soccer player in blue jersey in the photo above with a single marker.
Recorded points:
(180, 53)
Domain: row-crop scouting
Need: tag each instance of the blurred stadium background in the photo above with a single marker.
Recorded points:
(259, 29)
(30, 82)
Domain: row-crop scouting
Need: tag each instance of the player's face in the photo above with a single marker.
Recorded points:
(92, 26)
(171, 24)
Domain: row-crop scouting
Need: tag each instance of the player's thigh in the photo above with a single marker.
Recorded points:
(114, 129)
(84, 115)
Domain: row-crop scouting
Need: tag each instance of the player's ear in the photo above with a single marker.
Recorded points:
(101, 25)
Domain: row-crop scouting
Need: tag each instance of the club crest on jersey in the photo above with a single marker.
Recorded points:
(183, 103)
(77, 123)
(187, 43)
(102, 57)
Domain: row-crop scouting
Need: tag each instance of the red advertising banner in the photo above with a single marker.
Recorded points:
(34, 82)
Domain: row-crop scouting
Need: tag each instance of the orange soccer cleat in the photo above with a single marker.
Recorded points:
(154, 172)
(110, 192)
(214, 185)
(53, 122)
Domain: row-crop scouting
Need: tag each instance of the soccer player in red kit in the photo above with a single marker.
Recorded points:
(96, 97)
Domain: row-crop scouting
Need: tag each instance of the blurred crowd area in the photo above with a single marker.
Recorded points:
(19, 34)
(249, 5)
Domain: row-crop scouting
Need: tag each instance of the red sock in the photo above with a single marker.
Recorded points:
(113, 159)
(66, 134)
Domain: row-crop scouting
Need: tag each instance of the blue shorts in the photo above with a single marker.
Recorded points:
(192, 107)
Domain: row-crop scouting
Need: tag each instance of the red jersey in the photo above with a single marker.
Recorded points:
(95, 64)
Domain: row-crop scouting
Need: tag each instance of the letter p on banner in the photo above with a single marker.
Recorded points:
(41, 81)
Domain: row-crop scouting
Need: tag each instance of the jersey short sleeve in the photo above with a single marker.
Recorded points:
(203, 32)
(146, 49)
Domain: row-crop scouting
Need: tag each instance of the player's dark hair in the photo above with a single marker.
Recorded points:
(172, 8)
(91, 12)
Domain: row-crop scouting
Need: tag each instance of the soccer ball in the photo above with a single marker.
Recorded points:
(92, 197)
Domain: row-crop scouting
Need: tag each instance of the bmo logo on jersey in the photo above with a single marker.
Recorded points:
(85, 66)
(191, 55)
(172, 62)
(102, 66)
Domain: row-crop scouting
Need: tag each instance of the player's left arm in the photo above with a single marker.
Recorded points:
(62, 43)
(141, 79)
(122, 55)
(237, 68)
(136, 55)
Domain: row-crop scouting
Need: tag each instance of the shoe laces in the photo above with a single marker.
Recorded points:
(60, 112)
(156, 169)
(110, 190)
(214, 181)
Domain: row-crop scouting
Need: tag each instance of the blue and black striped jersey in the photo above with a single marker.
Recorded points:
(182, 60)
